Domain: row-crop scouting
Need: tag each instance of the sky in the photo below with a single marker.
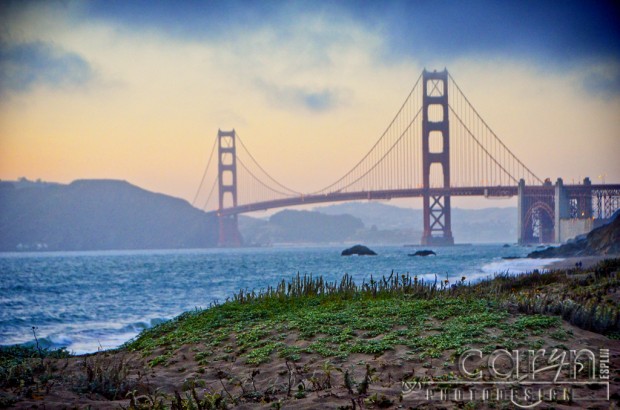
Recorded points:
(137, 90)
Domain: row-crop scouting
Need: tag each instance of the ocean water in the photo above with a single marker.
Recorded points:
(88, 301)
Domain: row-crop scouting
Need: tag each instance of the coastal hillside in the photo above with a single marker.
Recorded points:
(374, 223)
(98, 215)
(292, 226)
(604, 240)
(486, 225)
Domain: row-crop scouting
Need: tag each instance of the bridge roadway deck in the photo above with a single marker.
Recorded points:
(486, 191)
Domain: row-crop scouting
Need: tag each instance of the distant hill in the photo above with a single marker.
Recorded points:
(485, 225)
(378, 223)
(290, 226)
(468, 225)
(98, 215)
(381, 215)
(26, 183)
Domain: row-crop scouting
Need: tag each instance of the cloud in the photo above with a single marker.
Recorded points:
(303, 85)
(548, 31)
(25, 65)
(313, 100)
(318, 101)
(602, 81)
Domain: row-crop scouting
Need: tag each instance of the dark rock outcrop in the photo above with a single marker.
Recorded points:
(358, 250)
(423, 253)
(604, 240)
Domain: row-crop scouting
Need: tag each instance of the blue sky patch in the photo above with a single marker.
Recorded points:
(25, 65)
(287, 97)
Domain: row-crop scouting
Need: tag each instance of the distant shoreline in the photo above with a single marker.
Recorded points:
(586, 261)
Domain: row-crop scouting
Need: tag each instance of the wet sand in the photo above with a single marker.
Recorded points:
(587, 262)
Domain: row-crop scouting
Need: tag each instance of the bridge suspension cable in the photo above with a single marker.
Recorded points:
(396, 148)
(289, 191)
(259, 181)
(255, 183)
(400, 125)
(204, 174)
(206, 205)
(478, 156)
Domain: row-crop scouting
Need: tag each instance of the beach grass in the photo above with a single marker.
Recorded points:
(311, 341)
(337, 319)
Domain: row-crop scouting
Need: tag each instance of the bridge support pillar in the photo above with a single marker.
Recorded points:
(562, 209)
(521, 210)
(585, 203)
(229, 235)
(436, 158)
(573, 210)
(536, 213)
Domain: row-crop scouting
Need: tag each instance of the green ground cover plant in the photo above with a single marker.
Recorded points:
(337, 319)
(308, 339)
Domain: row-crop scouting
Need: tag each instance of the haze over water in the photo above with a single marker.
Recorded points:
(86, 301)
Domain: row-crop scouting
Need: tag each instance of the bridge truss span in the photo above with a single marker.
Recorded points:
(384, 195)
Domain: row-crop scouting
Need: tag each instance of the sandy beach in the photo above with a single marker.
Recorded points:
(586, 261)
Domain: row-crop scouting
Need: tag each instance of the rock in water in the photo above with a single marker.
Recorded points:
(423, 253)
(358, 250)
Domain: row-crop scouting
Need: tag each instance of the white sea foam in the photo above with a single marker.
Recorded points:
(86, 338)
(92, 301)
(516, 266)
(104, 342)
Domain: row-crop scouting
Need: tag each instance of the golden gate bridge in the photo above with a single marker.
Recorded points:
(437, 146)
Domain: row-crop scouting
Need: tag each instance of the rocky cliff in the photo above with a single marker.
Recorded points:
(604, 240)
